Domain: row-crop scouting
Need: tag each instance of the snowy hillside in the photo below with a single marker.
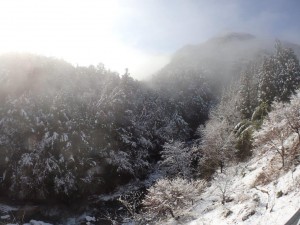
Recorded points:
(248, 199)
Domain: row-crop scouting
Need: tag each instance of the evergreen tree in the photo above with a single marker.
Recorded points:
(267, 81)
(248, 91)
(288, 72)
(279, 75)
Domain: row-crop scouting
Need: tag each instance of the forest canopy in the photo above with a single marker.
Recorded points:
(69, 130)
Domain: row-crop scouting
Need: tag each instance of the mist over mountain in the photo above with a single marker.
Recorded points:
(222, 58)
(201, 72)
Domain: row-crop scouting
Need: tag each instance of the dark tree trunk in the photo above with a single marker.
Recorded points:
(221, 166)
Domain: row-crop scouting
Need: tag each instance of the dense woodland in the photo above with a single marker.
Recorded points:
(69, 132)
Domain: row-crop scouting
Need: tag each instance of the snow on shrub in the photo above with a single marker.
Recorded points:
(168, 197)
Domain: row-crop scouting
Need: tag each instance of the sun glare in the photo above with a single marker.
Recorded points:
(82, 32)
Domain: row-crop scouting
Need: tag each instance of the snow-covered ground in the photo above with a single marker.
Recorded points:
(249, 201)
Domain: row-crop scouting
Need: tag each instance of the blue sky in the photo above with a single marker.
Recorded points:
(161, 25)
(137, 34)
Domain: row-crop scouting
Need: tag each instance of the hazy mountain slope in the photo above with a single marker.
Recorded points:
(221, 57)
(196, 75)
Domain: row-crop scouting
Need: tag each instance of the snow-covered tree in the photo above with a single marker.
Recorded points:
(288, 72)
(292, 114)
(279, 75)
(169, 197)
(267, 90)
(274, 132)
(248, 91)
(176, 159)
(217, 137)
(218, 144)
(223, 182)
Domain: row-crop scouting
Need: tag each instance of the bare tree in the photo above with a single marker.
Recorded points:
(224, 184)
(274, 132)
(217, 144)
(292, 114)
(218, 140)
(131, 202)
(169, 197)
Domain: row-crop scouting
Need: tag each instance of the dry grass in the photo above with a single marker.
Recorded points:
(270, 172)
(243, 197)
